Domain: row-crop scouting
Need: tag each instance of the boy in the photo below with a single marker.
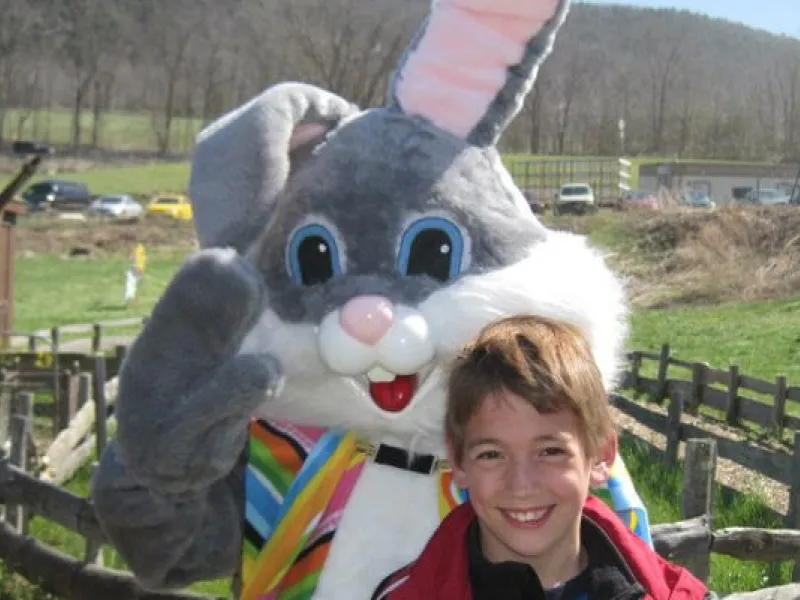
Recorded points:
(529, 431)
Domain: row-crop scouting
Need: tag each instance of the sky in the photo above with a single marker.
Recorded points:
(777, 16)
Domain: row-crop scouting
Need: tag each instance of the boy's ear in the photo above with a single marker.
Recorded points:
(601, 464)
(459, 476)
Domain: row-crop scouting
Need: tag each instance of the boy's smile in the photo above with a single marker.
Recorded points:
(528, 475)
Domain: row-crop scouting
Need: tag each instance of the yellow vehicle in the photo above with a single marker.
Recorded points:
(176, 206)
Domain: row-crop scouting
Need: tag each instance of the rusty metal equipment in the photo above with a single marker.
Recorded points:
(9, 212)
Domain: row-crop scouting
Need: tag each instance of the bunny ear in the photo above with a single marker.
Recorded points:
(473, 61)
(243, 160)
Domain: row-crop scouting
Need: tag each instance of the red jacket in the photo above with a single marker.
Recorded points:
(442, 570)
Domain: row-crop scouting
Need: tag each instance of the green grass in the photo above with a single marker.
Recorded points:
(52, 291)
(119, 131)
(661, 490)
(140, 180)
(760, 337)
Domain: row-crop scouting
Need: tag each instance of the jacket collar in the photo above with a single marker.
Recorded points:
(443, 568)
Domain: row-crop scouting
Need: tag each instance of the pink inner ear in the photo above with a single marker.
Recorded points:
(304, 133)
(461, 62)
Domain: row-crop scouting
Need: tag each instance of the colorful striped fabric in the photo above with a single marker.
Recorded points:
(620, 493)
(297, 484)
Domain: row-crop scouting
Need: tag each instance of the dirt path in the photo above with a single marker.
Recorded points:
(729, 473)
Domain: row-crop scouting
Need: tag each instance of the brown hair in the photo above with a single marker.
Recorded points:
(547, 363)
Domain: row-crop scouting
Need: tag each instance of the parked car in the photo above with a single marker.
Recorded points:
(119, 206)
(767, 197)
(576, 198)
(697, 199)
(52, 194)
(175, 206)
(640, 200)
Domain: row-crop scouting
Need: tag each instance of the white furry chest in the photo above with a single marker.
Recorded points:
(390, 516)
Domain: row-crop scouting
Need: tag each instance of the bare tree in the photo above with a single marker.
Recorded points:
(87, 30)
(350, 46)
(17, 19)
(665, 53)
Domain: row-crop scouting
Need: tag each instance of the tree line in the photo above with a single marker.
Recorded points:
(684, 85)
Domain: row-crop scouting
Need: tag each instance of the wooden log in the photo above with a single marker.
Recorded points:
(698, 375)
(764, 545)
(783, 592)
(779, 405)
(20, 430)
(49, 501)
(660, 391)
(674, 431)
(61, 472)
(100, 402)
(699, 470)
(732, 412)
(675, 541)
(67, 577)
(66, 441)
(97, 338)
(93, 550)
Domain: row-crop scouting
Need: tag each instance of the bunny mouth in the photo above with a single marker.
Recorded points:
(391, 392)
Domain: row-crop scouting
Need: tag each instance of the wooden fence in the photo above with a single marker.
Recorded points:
(699, 390)
(735, 401)
(689, 542)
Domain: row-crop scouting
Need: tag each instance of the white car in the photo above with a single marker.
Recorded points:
(576, 198)
(119, 206)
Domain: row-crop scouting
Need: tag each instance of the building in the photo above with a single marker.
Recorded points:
(723, 182)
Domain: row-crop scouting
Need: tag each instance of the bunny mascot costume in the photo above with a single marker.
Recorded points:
(281, 414)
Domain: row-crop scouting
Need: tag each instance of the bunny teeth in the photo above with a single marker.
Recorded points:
(380, 375)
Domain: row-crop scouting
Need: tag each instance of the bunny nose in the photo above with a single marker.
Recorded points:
(367, 318)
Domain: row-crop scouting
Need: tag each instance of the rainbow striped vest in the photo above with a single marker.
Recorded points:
(297, 483)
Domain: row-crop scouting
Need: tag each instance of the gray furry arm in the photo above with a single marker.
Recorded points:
(169, 489)
(170, 541)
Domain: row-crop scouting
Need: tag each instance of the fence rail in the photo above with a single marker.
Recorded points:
(28, 487)
(733, 398)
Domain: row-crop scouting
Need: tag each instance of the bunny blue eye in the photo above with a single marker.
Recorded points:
(313, 255)
(431, 246)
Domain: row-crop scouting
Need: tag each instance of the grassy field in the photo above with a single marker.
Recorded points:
(141, 180)
(120, 131)
(758, 336)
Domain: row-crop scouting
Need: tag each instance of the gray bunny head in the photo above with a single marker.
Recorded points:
(388, 238)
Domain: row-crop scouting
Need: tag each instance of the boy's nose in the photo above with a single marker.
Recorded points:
(521, 477)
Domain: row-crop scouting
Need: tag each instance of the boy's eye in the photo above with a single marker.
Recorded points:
(489, 455)
(553, 451)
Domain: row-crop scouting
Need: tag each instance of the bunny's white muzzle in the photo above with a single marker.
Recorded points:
(389, 344)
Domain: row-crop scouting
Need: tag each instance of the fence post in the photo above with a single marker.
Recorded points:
(20, 427)
(793, 514)
(779, 405)
(97, 338)
(698, 386)
(84, 389)
(661, 384)
(93, 551)
(699, 469)
(55, 341)
(732, 416)
(100, 407)
(69, 400)
(32, 343)
(636, 366)
(674, 430)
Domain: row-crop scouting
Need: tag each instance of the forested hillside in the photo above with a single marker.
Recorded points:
(685, 84)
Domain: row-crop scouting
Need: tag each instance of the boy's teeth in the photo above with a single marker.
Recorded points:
(379, 375)
(525, 517)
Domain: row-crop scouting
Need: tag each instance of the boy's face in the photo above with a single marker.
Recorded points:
(528, 477)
